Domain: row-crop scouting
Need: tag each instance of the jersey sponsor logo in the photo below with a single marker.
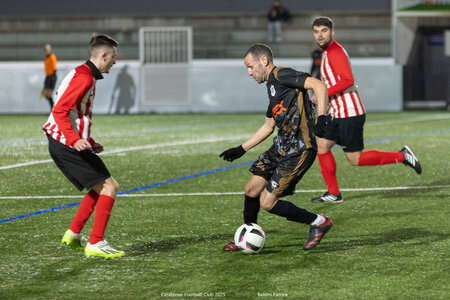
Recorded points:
(278, 109)
(272, 90)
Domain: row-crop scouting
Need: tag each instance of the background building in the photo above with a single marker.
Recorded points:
(396, 47)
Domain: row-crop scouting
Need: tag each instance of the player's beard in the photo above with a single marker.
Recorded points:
(326, 43)
(260, 78)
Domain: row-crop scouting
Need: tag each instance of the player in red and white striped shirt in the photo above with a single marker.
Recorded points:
(346, 116)
(71, 146)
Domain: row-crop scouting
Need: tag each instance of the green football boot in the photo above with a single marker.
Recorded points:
(72, 240)
(102, 249)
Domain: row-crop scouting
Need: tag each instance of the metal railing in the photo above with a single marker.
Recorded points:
(165, 45)
(165, 54)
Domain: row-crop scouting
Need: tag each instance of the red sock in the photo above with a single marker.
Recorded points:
(102, 213)
(84, 211)
(328, 168)
(376, 157)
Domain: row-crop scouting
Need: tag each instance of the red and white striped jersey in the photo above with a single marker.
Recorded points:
(337, 75)
(70, 119)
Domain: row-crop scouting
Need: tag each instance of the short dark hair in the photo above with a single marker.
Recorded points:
(257, 50)
(323, 21)
(101, 40)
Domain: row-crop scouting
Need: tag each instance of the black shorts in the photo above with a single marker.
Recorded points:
(346, 132)
(50, 82)
(283, 173)
(83, 168)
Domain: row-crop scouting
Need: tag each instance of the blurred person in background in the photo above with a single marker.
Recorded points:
(50, 74)
(316, 62)
(346, 116)
(277, 16)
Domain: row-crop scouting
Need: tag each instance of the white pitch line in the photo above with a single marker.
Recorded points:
(135, 148)
(26, 164)
(182, 143)
(395, 188)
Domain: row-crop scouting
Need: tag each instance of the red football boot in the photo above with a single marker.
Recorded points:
(316, 233)
(231, 246)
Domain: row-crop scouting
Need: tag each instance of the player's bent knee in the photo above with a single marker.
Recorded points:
(113, 185)
(353, 158)
(251, 191)
(354, 163)
(266, 207)
(266, 204)
(109, 187)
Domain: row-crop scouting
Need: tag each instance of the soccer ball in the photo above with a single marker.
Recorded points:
(250, 238)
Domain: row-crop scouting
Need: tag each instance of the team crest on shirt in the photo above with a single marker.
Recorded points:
(272, 90)
(274, 184)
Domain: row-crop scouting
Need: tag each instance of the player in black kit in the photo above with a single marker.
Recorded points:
(277, 171)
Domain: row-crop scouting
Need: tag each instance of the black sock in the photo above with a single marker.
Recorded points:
(251, 209)
(50, 101)
(293, 213)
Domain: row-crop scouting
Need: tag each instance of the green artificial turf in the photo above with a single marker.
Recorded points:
(391, 237)
(425, 7)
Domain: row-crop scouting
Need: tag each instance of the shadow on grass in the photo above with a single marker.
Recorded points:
(394, 236)
(173, 243)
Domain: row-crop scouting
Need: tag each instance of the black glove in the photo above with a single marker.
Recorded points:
(233, 153)
(319, 128)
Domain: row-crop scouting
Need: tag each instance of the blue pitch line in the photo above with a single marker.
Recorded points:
(131, 191)
(185, 177)
(39, 212)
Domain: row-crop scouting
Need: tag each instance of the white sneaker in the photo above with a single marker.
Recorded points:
(102, 249)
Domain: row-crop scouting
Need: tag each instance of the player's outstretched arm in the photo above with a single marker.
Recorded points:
(320, 93)
(260, 135)
(321, 99)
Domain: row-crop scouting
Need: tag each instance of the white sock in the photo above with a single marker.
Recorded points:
(319, 220)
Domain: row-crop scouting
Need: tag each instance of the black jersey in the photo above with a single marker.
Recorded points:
(291, 109)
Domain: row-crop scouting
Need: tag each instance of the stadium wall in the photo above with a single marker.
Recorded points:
(215, 86)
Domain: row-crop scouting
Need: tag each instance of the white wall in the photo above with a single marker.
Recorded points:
(215, 86)
(21, 84)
